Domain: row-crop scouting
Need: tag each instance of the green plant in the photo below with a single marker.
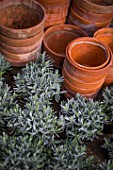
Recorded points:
(108, 145)
(4, 65)
(83, 117)
(22, 153)
(106, 165)
(39, 78)
(108, 103)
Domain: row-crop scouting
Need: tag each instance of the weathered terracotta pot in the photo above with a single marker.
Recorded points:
(56, 11)
(94, 17)
(56, 40)
(84, 75)
(96, 6)
(21, 42)
(21, 59)
(21, 19)
(88, 49)
(106, 36)
(89, 26)
(20, 50)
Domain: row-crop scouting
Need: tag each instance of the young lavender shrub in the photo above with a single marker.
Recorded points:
(39, 78)
(4, 66)
(108, 103)
(70, 155)
(36, 119)
(22, 153)
(83, 118)
(106, 165)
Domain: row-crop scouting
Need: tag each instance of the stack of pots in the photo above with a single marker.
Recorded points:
(57, 38)
(106, 36)
(85, 67)
(21, 30)
(91, 15)
(56, 11)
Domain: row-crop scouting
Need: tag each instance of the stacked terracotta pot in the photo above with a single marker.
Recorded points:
(21, 30)
(91, 15)
(106, 36)
(56, 11)
(86, 66)
(56, 39)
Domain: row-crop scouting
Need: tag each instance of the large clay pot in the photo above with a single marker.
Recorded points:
(56, 11)
(21, 19)
(106, 36)
(56, 40)
(96, 6)
(86, 66)
(89, 26)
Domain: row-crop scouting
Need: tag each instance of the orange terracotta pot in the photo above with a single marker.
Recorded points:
(88, 50)
(60, 36)
(21, 19)
(88, 26)
(21, 42)
(56, 11)
(81, 78)
(20, 59)
(96, 6)
(93, 17)
(20, 50)
(106, 36)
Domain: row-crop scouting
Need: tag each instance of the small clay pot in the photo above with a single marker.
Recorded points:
(21, 42)
(56, 11)
(93, 17)
(20, 50)
(83, 51)
(79, 77)
(20, 59)
(96, 6)
(89, 26)
(60, 36)
(21, 19)
(106, 36)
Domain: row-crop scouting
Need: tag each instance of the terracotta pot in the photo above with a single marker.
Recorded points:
(88, 50)
(60, 36)
(93, 17)
(56, 11)
(106, 36)
(96, 6)
(21, 19)
(20, 50)
(89, 26)
(20, 59)
(83, 79)
(21, 42)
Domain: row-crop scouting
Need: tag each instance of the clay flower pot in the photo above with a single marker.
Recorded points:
(89, 26)
(86, 66)
(56, 40)
(96, 6)
(21, 42)
(56, 11)
(106, 36)
(21, 19)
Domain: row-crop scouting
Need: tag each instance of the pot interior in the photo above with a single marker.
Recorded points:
(58, 41)
(19, 16)
(102, 2)
(88, 54)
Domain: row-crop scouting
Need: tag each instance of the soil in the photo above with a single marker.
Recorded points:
(19, 17)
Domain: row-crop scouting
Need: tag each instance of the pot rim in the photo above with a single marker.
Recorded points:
(95, 7)
(103, 31)
(89, 41)
(25, 29)
(57, 28)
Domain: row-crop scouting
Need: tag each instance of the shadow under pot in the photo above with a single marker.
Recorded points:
(56, 40)
(21, 19)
